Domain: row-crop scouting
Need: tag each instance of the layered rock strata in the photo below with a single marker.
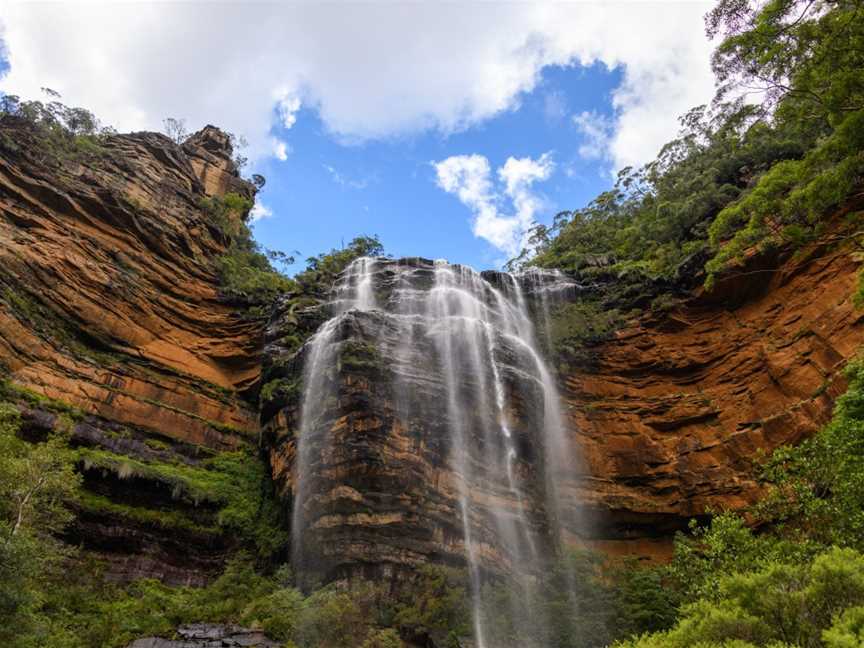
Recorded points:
(109, 303)
(673, 413)
(110, 306)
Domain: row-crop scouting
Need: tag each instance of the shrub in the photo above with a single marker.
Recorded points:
(383, 639)
(779, 604)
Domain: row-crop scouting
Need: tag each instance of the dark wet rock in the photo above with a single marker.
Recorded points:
(209, 635)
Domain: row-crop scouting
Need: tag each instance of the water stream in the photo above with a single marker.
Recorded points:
(473, 334)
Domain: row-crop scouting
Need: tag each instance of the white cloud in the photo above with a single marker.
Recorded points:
(259, 212)
(469, 178)
(345, 181)
(370, 70)
(518, 175)
(288, 106)
(280, 149)
(598, 131)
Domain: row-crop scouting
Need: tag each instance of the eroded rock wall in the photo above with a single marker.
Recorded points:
(109, 303)
(669, 416)
(672, 413)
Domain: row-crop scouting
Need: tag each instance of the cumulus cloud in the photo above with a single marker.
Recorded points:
(370, 70)
(469, 178)
(288, 107)
(280, 149)
(597, 130)
(259, 211)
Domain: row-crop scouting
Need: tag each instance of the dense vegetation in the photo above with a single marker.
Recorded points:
(64, 132)
(246, 274)
(741, 175)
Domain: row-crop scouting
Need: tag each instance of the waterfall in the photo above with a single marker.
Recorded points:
(464, 363)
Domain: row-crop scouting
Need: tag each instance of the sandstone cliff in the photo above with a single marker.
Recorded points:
(673, 411)
(109, 303)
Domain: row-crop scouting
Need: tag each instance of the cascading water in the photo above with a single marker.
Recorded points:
(467, 338)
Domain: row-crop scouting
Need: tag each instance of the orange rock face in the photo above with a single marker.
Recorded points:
(109, 302)
(108, 296)
(677, 407)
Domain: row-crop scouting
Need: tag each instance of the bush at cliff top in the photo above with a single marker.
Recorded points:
(246, 274)
(65, 132)
(322, 270)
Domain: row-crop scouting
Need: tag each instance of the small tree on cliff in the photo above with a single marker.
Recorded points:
(175, 129)
(37, 480)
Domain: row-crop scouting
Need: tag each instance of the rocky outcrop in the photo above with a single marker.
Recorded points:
(110, 300)
(109, 303)
(209, 635)
(670, 416)
(674, 411)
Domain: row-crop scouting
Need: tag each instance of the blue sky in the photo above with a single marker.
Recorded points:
(328, 191)
(447, 129)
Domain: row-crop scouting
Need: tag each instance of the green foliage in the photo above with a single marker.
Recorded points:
(817, 488)
(281, 388)
(847, 631)
(65, 133)
(793, 196)
(388, 638)
(37, 482)
(332, 619)
(724, 546)
(644, 600)
(574, 324)
(108, 616)
(800, 582)
(657, 217)
(777, 604)
(246, 274)
(858, 297)
(436, 605)
(355, 355)
(322, 270)
(237, 482)
(248, 277)
(89, 501)
(582, 601)
(229, 214)
(251, 509)
(10, 392)
(76, 610)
